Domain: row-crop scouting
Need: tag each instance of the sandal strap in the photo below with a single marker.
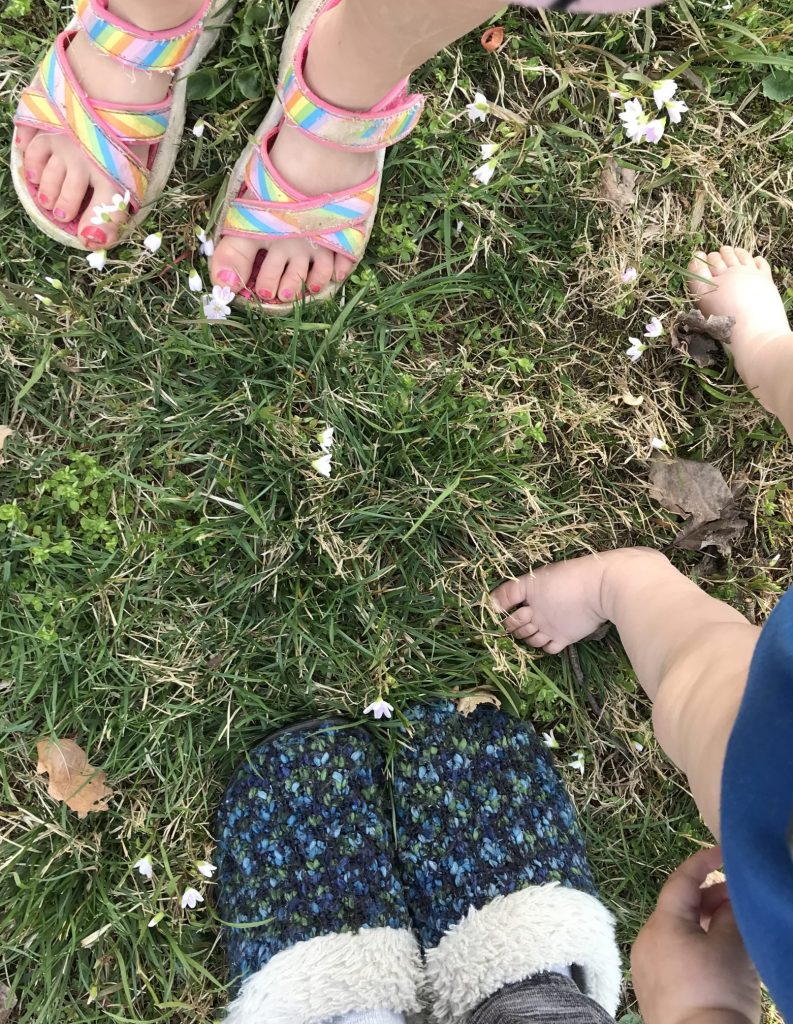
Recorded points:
(387, 123)
(147, 51)
(270, 208)
(56, 103)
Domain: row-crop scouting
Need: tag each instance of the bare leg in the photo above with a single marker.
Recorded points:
(360, 50)
(54, 164)
(762, 342)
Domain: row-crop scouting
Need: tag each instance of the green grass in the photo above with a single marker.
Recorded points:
(176, 581)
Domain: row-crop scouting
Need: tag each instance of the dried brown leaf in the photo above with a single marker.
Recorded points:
(634, 401)
(697, 490)
(700, 338)
(617, 185)
(7, 1004)
(471, 701)
(71, 778)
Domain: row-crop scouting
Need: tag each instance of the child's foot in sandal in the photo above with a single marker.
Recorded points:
(75, 152)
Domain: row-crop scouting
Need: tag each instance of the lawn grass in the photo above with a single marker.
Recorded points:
(175, 578)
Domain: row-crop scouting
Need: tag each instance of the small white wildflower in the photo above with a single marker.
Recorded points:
(217, 305)
(194, 282)
(654, 329)
(53, 282)
(659, 445)
(633, 120)
(654, 130)
(198, 127)
(120, 203)
(458, 230)
(326, 439)
(479, 109)
(191, 898)
(578, 764)
(323, 465)
(638, 747)
(550, 740)
(380, 709)
(102, 213)
(207, 245)
(156, 920)
(97, 260)
(676, 109)
(206, 869)
(485, 173)
(144, 867)
(636, 351)
(153, 242)
(43, 299)
(629, 274)
(488, 150)
(664, 91)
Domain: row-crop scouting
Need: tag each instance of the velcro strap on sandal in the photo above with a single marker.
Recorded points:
(55, 102)
(270, 209)
(148, 51)
(384, 125)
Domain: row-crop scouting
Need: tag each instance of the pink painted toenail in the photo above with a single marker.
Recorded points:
(96, 235)
(229, 277)
(264, 294)
(60, 214)
(43, 198)
(315, 288)
(287, 294)
(246, 293)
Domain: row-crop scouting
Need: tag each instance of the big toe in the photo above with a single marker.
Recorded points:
(103, 234)
(232, 263)
(510, 594)
(699, 268)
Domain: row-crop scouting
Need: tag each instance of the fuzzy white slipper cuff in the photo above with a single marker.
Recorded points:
(325, 977)
(519, 935)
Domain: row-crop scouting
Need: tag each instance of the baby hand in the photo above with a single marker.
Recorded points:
(689, 962)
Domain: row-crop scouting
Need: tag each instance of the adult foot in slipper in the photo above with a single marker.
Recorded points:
(109, 64)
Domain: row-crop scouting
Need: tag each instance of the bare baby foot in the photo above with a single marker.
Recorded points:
(740, 285)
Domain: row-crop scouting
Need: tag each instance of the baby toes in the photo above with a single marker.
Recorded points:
(509, 594)
(343, 268)
(37, 156)
(321, 272)
(270, 274)
(518, 620)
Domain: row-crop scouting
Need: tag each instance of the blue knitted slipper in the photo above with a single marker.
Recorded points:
(493, 861)
(305, 852)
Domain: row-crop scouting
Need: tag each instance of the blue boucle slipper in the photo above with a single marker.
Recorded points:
(493, 861)
(305, 852)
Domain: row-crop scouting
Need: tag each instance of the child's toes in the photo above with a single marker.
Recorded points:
(518, 620)
(270, 274)
(51, 183)
(37, 156)
(539, 639)
(232, 262)
(72, 194)
(716, 261)
(744, 258)
(730, 256)
(342, 268)
(294, 278)
(509, 594)
(321, 272)
(24, 136)
(526, 632)
(555, 647)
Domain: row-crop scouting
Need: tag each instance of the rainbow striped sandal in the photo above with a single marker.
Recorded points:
(261, 205)
(56, 103)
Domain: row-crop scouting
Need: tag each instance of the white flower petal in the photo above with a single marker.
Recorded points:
(325, 439)
(629, 274)
(144, 866)
(153, 242)
(654, 131)
(191, 898)
(380, 709)
(654, 329)
(97, 260)
(479, 109)
(194, 281)
(198, 127)
(664, 91)
(206, 869)
(484, 174)
(323, 465)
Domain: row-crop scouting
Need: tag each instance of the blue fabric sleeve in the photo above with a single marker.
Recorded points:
(757, 809)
